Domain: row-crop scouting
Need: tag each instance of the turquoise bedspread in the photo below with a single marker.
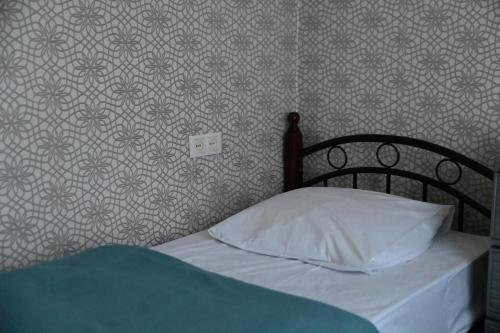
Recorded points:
(132, 289)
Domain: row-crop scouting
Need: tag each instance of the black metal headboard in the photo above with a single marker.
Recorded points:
(294, 154)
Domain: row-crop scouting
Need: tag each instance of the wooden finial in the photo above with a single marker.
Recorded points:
(293, 120)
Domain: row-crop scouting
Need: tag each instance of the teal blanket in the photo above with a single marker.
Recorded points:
(132, 289)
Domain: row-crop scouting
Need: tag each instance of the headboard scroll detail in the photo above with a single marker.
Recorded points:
(342, 150)
(398, 156)
(294, 155)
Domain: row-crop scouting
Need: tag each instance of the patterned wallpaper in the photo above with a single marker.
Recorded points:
(98, 98)
(427, 69)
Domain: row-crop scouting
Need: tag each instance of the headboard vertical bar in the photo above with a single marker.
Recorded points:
(388, 183)
(354, 180)
(292, 153)
(460, 226)
(425, 187)
(325, 183)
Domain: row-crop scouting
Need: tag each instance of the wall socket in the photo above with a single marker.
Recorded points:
(205, 144)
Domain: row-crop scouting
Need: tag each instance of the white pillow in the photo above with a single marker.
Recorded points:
(344, 229)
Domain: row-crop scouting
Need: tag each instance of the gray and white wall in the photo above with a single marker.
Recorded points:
(97, 99)
(428, 69)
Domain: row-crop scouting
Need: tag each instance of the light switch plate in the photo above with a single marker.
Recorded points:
(205, 144)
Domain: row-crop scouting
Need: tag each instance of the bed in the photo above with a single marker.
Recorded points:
(198, 283)
(429, 298)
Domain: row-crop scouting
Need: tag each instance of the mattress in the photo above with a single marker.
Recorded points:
(443, 290)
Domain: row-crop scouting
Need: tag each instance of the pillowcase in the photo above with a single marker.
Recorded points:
(339, 228)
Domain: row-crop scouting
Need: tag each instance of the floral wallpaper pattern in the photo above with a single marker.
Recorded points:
(98, 98)
(426, 69)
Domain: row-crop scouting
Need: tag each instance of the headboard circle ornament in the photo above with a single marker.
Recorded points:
(379, 160)
(330, 161)
(438, 167)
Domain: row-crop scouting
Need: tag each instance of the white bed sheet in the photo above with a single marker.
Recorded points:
(440, 291)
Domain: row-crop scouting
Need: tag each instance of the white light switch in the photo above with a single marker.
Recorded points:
(213, 144)
(205, 144)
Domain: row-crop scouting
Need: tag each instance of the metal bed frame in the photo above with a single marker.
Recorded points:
(294, 154)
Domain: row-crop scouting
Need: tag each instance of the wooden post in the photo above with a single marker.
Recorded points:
(292, 148)
(495, 206)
